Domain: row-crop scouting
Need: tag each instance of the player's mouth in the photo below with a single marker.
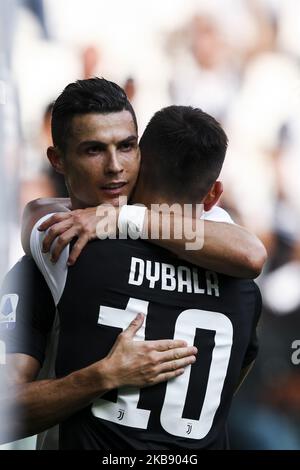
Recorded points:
(114, 189)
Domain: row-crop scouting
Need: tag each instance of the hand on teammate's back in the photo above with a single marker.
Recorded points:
(144, 363)
(82, 224)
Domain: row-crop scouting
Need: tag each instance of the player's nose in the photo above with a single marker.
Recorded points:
(113, 163)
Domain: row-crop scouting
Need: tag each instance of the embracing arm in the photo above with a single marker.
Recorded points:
(34, 406)
(38, 405)
(223, 247)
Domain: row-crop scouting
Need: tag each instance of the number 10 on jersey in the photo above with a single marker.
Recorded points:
(126, 412)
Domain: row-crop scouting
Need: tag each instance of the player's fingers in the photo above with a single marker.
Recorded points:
(54, 219)
(166, 344)
(177, 353)
(134, 326)
(163, 377)
(61, 242)
(77, 249)
(176, 364)
(53, 232)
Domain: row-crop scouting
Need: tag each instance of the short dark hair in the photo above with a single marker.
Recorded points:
(183, 150)
(94, 95)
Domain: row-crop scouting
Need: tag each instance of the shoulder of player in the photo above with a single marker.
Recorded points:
(21, 273)
(55, 274)
(112, 247)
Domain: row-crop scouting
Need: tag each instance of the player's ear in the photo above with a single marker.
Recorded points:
(56, 159)
(213, 195)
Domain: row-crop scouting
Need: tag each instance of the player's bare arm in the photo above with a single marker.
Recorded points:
(228, 248)
(36, 405)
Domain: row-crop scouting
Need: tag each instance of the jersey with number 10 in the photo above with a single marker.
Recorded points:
(111, 282)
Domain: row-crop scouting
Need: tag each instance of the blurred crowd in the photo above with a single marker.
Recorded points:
(238, 60)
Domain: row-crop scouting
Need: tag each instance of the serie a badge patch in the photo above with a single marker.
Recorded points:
(8, 309)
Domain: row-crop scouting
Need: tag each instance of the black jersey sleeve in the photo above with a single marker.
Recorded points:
(253, 346)
(27, 310)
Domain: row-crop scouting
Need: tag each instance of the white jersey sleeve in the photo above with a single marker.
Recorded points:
(55, 274)
(217, 214)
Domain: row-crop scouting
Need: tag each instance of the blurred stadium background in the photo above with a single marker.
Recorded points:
(236, 59)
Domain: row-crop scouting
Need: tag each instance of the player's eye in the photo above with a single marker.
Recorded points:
(94, 150)
(127, 146)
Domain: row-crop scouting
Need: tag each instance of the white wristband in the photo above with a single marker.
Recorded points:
(131, 221)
